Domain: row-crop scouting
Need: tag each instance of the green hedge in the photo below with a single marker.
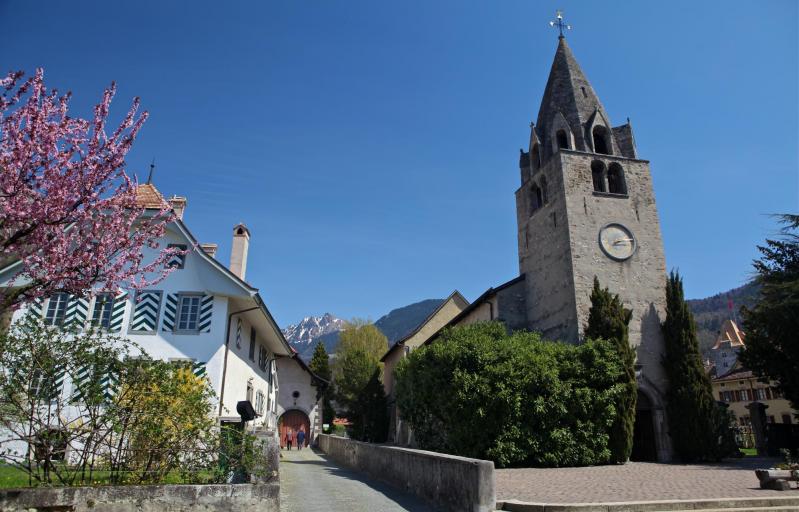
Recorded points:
(514, 399)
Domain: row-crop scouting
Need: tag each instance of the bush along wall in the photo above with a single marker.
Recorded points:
(512, 398)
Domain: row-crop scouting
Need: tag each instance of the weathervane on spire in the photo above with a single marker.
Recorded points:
(558, 22)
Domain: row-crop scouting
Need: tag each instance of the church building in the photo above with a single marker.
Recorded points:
(585, 209)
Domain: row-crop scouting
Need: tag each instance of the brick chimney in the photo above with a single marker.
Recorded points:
(178, 204)
(209, 249)
(238, 251)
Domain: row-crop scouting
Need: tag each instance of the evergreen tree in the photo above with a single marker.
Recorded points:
(609, 320)
(320, 365)
(771, 326)
(694, 419)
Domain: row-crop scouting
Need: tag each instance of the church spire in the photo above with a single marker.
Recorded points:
(570, 109)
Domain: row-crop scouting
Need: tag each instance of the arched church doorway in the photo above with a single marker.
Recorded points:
(294, 420)
(644, 447)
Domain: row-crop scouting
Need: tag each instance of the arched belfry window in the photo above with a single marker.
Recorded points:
(562, 139)
(535, 158)
(601, 140)
(536, 198)
(616, 182)
(598, 175)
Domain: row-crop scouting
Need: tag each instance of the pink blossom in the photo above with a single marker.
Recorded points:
(68, 210)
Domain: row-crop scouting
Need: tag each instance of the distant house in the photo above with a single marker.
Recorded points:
(729, 343)
(450, 308)
(203, 313)
(737, 386)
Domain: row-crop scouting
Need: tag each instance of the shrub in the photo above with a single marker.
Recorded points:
(514, 399)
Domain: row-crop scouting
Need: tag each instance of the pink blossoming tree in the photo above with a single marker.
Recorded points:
(68, 210)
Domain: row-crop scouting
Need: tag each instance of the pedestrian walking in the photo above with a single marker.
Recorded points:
(289, 438)
(301, 438)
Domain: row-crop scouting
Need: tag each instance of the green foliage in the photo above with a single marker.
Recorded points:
(320, 365)
(363, 335)
(609, 320)
(514, 399)
(360, 392)
(695, 422)
(771, 326)
(124, 419)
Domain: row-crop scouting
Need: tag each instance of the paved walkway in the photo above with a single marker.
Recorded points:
(311, 483)
(634, 481)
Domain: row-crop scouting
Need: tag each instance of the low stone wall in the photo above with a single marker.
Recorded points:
(145, 498)
(450, 482)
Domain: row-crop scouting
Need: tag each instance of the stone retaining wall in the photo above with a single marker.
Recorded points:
(145, 498)
(450, 482)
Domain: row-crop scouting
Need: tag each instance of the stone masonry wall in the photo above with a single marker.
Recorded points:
(640, 281)
(451, 483)
(146, 498)
(545, 255)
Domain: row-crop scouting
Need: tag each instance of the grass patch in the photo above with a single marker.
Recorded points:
(749, 452)
(13, 477)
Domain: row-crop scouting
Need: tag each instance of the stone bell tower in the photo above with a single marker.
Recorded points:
(586, 208)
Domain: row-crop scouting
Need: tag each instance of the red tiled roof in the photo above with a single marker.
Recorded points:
(147, 196)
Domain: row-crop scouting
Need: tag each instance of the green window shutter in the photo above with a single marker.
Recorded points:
(146, 308)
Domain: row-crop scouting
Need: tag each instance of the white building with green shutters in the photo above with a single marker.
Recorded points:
(204, 313)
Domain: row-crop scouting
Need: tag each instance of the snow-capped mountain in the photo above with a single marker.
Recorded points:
(310, 328)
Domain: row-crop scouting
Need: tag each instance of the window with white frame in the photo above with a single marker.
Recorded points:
(101, 313)
(259, 402)
(188, 312)
(744, 394)
(263, 355)
(56, 309)
(761, 393)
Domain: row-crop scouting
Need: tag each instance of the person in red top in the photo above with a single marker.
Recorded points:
(289, 438)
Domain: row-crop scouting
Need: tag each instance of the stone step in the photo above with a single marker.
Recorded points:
(781, 503)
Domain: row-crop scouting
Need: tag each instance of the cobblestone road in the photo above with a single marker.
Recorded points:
(310, 483)
(635, 481)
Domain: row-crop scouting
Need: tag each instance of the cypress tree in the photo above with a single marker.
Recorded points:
(320, 365)
(609, 320)
(692, 412)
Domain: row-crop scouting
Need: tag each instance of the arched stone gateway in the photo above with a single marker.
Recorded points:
(650, 433)
(295, 420)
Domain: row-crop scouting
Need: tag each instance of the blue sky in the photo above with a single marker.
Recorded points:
(372, 147)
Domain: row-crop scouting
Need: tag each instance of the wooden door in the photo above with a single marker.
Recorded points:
(296, 421)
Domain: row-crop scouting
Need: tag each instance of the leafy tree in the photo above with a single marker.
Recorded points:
(609, 320)
(515, 399)
(320, 365)
(361, 334)
(694, 419)
(357, 367)
(69, 211)
(771, 326)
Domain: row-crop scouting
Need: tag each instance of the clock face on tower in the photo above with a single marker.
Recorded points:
(617, 242)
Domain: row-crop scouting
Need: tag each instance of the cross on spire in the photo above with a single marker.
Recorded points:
(558, 22)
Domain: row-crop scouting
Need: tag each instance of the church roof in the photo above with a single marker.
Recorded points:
(730, 332)
(147, 196)
(569, 93)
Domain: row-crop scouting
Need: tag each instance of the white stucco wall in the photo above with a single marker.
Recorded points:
(293, 377)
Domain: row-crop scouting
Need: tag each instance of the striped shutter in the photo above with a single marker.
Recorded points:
(58, 384)
(198, 369)
(77, 312)
(170, 312)
(118, 313)
(206, 307)
(238, 333)
(110, 384)
(177, 260)
(36, 307)
(79, 382)
(145, 311)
